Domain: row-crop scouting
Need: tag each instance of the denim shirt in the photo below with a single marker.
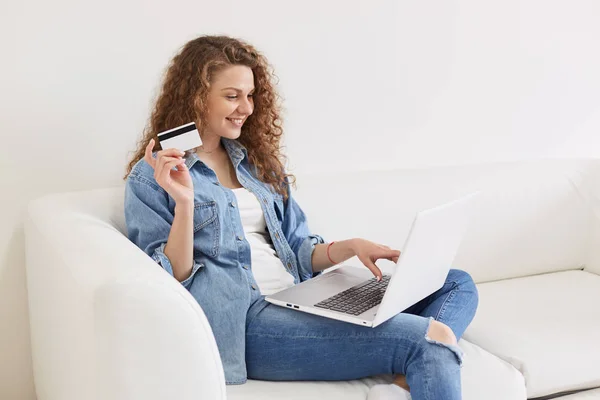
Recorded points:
(221, 279)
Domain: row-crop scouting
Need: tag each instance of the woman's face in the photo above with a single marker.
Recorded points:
(230, 101)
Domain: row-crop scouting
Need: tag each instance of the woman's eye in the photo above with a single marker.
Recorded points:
(233, 97)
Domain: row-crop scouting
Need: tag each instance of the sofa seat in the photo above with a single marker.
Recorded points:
(587, 395)
(546, 326)
(482, 372)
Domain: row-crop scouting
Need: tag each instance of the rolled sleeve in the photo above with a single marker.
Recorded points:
(299, 237)
(161, 258)
(304, 256)
(149, 219)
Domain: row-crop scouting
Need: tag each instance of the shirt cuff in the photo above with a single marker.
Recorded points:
(305, 252)
(160, 257)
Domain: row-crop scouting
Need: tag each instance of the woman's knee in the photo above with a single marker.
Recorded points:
(441, 332)
(460, 277)
(440, 342)
(464, 280)
(436, 350)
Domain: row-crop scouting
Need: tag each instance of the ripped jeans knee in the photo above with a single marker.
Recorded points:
(457, 351)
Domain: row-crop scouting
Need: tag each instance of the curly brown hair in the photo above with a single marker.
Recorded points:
(184, 94)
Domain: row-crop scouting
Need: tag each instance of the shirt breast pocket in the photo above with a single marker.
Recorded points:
(206, 228)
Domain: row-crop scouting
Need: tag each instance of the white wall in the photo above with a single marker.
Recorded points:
(366, 85)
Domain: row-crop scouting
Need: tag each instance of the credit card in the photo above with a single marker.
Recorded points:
(184, 138)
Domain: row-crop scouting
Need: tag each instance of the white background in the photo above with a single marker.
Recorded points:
(366, 85)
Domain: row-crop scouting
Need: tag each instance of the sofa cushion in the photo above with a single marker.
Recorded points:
(547, 326)
(481, 372)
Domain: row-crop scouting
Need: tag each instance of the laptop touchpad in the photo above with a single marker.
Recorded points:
(326, 286)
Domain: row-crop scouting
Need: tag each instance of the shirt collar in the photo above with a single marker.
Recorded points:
(235, 149)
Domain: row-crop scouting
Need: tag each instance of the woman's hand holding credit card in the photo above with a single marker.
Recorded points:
(184, 137)
(170, 171)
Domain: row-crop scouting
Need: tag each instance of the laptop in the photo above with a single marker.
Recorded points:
(353, 295)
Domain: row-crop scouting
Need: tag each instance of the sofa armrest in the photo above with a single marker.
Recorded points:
(153, 344)
(106, 320)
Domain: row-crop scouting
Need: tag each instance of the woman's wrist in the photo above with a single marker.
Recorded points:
(329, 254)
(352, 244)
(343, 250)
(184, 206)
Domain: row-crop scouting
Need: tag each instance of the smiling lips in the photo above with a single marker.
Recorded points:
(236, 121)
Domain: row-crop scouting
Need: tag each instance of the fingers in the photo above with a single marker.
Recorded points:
(181, 167)
(160, 163)
(148, 153)
(389, 254)
(165, 156)
(167, 169)
(370, 252)
(164, 167)
(172, 152)
(372, 267)
(393, 255)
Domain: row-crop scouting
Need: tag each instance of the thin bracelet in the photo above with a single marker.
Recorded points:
(328, 246)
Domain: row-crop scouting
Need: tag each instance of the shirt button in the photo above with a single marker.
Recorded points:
(277, 235)
(264, 200)
(289, 265)
(239, 238)
(232, 204)
(216, 183)
(253, 287)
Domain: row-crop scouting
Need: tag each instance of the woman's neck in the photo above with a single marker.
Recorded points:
(217, 153)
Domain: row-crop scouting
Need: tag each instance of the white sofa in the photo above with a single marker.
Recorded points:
(109, 323)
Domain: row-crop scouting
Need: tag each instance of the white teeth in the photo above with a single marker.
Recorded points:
(237, 121)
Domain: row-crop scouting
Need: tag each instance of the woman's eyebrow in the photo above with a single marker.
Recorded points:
(236, 89)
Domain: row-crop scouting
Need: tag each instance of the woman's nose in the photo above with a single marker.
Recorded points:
(246, 107)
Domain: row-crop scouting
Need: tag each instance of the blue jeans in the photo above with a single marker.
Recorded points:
(287, 345)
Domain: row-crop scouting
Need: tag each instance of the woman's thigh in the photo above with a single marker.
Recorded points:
(283, 344)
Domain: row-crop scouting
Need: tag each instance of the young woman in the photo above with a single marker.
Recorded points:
(223, 222)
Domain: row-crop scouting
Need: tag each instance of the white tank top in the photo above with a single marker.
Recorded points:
(269, 272)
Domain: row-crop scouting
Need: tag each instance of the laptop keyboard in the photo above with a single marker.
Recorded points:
(357, 299)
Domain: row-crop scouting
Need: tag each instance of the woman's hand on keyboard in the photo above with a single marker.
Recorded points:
(368, 253)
